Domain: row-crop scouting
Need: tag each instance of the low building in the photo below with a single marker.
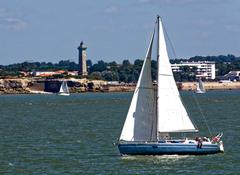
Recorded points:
(43, 73)
(113, 83)
(204, 69)
(73, 73)
(51, 73)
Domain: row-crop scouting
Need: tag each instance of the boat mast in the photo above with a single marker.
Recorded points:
(157, 74)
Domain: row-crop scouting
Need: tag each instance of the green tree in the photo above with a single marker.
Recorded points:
(126, 63)
(99, 67)
(95, 76)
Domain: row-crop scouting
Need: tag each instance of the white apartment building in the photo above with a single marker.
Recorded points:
(205, 69)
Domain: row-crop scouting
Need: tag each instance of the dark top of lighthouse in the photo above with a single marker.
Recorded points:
(82, 46)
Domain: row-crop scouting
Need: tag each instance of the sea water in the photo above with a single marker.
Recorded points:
(50, 134)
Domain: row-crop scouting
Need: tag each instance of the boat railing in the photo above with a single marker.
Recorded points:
(151, 142)
(167, 140)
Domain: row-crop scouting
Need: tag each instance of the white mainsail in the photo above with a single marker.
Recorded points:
(64, 88)
(172, 116)
(200, 87)
(140, 124)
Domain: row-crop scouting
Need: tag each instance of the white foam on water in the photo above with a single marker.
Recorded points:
(156, 158)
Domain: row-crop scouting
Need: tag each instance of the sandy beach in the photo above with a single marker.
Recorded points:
(210, 85)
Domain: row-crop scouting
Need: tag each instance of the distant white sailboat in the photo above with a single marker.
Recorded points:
(200, 88)
(156, 112)
(64, 89)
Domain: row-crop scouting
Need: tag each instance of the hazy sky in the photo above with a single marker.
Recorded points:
(51, 30)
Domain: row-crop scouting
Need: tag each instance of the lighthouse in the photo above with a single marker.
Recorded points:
(82, 59)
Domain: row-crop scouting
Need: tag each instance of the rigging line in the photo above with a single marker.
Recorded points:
(157, 92)
(152, 88)
(202, 114)
(170, 42)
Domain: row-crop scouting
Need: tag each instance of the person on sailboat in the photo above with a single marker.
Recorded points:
(206, 139)
(199, 142)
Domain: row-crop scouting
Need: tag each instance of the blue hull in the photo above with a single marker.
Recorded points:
(166, 148)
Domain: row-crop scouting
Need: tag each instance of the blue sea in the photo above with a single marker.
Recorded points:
(58, 135)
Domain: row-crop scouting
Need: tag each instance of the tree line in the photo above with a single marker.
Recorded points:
(124, 72)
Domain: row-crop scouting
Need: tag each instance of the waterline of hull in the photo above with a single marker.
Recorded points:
(63, 94)
(199, 92)
(167, 149)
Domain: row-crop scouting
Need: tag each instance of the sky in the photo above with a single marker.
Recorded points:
(51, 30)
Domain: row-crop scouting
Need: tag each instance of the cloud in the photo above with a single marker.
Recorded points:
(11, 21)
(15, 23)
(111, 9)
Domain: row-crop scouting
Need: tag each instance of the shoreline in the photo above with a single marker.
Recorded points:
(191, 86)
(33, 86)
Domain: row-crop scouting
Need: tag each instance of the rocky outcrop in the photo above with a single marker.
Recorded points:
(12, 86)
(30, 85)
(120, 88)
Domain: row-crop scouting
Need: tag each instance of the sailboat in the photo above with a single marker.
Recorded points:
(200, 88)
(156, 112)
(64, 89)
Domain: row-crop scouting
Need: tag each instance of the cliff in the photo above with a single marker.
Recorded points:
(14, 86)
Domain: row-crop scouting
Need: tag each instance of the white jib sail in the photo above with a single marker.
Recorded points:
(61, 88)
(172, 116)
(140, 123)
(201, 87)
(198, 87)
(64, 87)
